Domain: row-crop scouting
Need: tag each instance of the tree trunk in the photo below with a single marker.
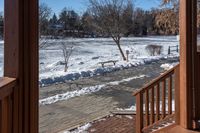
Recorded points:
(117, 41)
(65, 70)
(121, 51)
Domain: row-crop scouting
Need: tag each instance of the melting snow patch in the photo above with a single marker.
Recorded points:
(168, 66)
(129, 117)
(81, 129)
(83, 91)
(126, 80)
(131, 108)
(66, 96)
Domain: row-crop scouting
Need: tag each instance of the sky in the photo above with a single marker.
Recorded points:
(81, 5)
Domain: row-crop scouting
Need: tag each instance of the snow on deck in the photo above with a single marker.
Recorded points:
(83, 91)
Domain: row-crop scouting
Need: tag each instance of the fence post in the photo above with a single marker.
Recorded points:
(177, 48)
(169, 50)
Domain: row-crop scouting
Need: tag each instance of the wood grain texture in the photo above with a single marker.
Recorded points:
(139, 112)
(186, 62)
(163, 99)
(147, 107)
(157, 102)
(6, 104)
(152, 106)
(163, 92)
(21, 61)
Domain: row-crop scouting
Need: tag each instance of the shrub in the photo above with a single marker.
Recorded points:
(154, 49)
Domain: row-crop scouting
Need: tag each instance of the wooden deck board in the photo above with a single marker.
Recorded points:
(77, 111)
(114, 124)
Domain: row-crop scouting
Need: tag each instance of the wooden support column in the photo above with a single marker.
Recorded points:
(21, 61)
(196, 70)
(186, 63)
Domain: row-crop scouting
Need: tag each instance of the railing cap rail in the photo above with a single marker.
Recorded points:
(154, 81)
(4, 81)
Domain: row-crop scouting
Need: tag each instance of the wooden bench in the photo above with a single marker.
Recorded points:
(107, 62)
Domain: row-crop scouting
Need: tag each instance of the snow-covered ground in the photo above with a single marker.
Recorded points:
(88, 52)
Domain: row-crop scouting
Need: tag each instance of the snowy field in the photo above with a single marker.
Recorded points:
(88, 52)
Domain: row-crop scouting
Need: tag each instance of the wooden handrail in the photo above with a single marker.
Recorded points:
(148, 111)
(161, 77)
(7, 86)
(4, 81)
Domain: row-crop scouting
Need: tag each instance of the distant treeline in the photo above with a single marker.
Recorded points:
(139, 23)
(1, 25)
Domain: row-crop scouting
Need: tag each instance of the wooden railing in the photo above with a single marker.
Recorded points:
(6, 104)
(154, 102)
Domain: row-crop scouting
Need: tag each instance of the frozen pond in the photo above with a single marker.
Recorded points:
(88, 52)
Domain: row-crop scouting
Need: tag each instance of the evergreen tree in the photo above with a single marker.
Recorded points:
(53, 20)
(63, 18)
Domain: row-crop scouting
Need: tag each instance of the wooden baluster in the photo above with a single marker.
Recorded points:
(163, 99)
(139, 113)
(157, 102)
(147, 106)
(177, 94)
(4, 112)
(170, 95)
(152, 105)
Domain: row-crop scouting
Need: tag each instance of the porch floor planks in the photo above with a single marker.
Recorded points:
(81, 109)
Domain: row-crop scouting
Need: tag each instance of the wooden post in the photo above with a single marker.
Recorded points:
(197, 73)
(177, 48)
(186, 63)
(169, 50)
(139, 113)
(21, 61)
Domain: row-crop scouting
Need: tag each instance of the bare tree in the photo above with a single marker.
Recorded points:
(172, 3)
(167, 21)
(108, 18)
(43, 43)
(67, 52)
(44, 15)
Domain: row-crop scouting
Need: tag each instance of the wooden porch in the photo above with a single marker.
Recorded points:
(19, 92)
